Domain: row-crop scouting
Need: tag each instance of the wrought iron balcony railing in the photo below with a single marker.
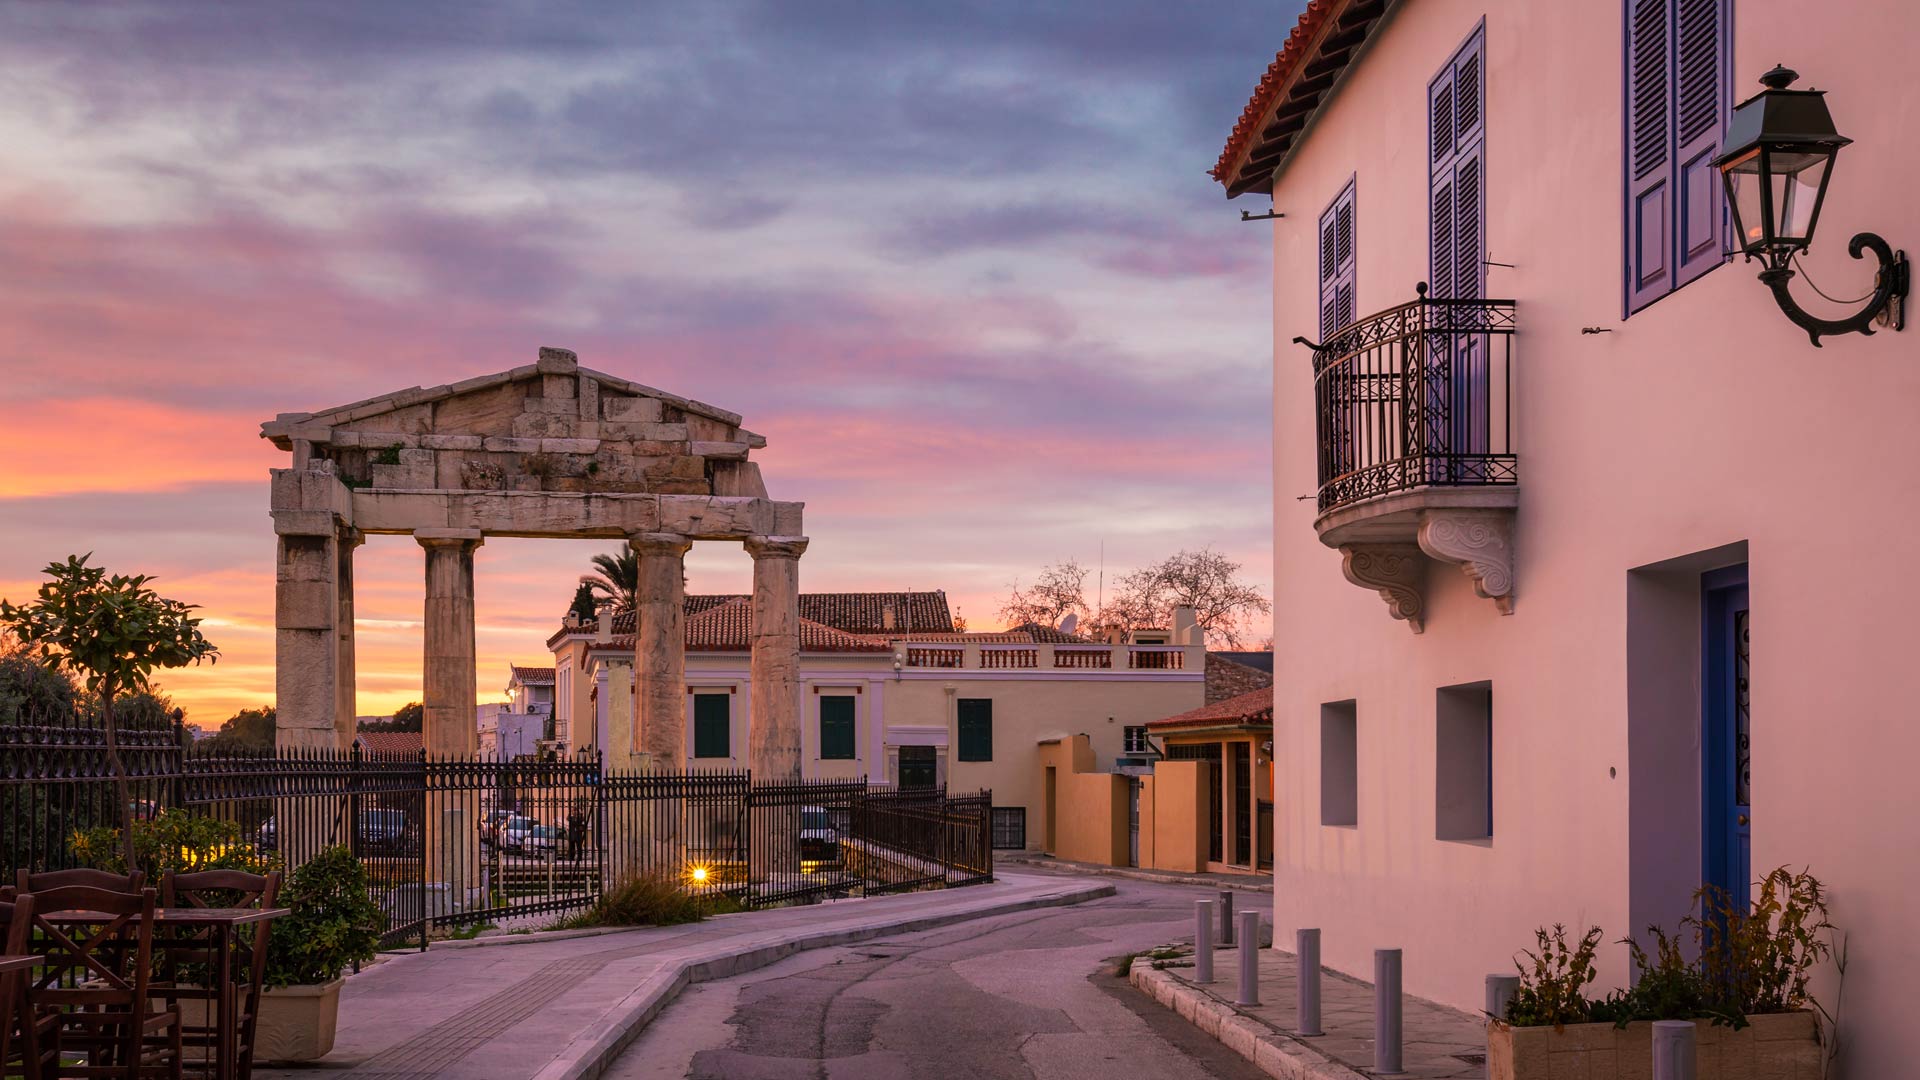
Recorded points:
(1415, 396)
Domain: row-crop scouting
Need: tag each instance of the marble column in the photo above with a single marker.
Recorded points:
(659, 650)
(773, 735)
(306, 610)
(346, 699)
(449, 697)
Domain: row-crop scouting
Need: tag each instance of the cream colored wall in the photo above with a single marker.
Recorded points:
(1173, 822)
(1703, 421)
(1090, 807)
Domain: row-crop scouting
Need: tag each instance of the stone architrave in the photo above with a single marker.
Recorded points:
(773, 734)
(1480, 542)
(659, 649)
(1395, 571)
(449, 697)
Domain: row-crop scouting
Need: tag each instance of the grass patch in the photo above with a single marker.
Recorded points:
(649, 900)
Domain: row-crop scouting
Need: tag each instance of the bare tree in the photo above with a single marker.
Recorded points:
(1059, 591)
(1204, 580)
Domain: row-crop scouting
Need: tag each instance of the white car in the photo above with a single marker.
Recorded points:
(527, 835)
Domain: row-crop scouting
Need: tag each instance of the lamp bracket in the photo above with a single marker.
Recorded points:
(1889, 293)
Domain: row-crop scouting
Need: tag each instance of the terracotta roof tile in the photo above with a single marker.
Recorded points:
(1228, 678)
(1254, 707)
(852, 613)
(531, 676)
(389, 742)
(728, 627)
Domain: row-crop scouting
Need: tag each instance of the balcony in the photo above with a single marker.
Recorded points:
(1413, 413)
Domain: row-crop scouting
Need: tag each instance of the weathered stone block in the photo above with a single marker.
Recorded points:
(557, 361)
(557, 388)
(717, 449)
(707, 429)
(741, 478)
(543, 426)
(787, 519)
(305, 523)
(638, 410)
(564, 483)
(553, 406)
(346, 437)
(569, 446)
(388, 440)
(391, 512)
(480, 473)
(621, 441)
(504, 444)
(661, 432)
(486, 411)
(451, 442)
(416, 457)
(414, 477)
(677, 468)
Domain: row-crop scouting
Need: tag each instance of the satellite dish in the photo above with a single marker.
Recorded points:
(1072, 620)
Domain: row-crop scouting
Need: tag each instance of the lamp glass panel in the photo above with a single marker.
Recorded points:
(1743, 190)
(1797, 177)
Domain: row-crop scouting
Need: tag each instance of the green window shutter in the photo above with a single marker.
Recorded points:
(976, 729)
(836, 727)
(712, 721)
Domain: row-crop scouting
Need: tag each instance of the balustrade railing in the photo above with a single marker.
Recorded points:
(1078, 656)
(1156, 657)
(935, 658)
(1418, 395)
(1009, 656)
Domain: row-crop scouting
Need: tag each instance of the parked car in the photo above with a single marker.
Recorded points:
(819, 840)
(490, 824)
(387, 832)
(268, 839)
(526, 835)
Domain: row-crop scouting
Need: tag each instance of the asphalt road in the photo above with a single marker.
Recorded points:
(1027, 995)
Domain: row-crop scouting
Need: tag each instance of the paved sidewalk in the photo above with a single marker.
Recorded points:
(1437, 1043)
(560, 1007)
(1253, 883)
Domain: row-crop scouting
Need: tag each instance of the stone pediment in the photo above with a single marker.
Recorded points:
(551, 426)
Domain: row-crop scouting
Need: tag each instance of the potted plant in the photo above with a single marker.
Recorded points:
(331, 925)
(1746, 993)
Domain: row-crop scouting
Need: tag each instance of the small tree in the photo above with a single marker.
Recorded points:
(248, 729)
(1203, 580)
(114, 632)
(584, 608)
(616, 579)
(1059, 591)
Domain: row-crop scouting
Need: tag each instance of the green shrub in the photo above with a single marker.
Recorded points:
(332, 923)
(173, 839)
(644, 900)
(1553, 983)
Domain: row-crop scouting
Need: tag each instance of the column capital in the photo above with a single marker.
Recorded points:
(659, 543)
(775, 547)
(351, 537)
(448, 538)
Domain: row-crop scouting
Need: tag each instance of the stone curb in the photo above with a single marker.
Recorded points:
(1274, 1053)
(1137, 875)
(588, 1055)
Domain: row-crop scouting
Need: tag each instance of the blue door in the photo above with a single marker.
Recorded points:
(1725, 744)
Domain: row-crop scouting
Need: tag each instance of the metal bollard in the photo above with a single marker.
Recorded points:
(1500, 991)
(1249, 959)
(1203, 941)
(1386, 1010)
(1673, 1050)
(1226, 917)
(1306, 949)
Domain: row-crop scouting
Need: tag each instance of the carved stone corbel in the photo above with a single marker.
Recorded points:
(1480, 542)
(1392, 570)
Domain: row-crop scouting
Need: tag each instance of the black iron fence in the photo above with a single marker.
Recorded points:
(472, 841)
(1415, 396)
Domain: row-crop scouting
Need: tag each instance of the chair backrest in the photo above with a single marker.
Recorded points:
(16, 915)
(28, 882)
(109, 960)
(219, 888)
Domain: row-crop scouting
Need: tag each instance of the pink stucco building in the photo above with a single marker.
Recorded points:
(1517, 545)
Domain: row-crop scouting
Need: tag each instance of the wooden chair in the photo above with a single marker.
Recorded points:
(29, 1036)
(28, 882)
(219, 889)
(101, 974)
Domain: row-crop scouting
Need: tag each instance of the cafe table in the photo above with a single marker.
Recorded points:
(205, 928)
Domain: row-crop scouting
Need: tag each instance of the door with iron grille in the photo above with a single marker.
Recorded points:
(1726, 742)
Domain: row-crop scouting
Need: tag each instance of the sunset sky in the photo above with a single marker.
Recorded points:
(960, 264)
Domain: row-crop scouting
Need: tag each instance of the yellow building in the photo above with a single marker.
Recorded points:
(891, 692)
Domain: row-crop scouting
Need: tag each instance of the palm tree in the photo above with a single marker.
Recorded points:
(616, 579)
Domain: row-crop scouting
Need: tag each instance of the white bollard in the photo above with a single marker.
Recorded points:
(1306, 951)
(1673, 1050)
(1249, 959)
(1386, 1010)
(1203, 941)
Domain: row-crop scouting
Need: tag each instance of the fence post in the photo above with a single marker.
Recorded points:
(1306, 949)
(1226, 917)
(1673, 1050)
(1386, 1010)
(1203, 941)
(1249, 959)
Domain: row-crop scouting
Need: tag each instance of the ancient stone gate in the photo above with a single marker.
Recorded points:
(550, 449)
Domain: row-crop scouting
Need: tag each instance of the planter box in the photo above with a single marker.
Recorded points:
(297, 1022)
(1782, 1046)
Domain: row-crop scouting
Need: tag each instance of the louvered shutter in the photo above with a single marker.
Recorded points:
(1456, 131)
(1338, 259)
(1649, 150)
(1700, 89)
(1440, 154)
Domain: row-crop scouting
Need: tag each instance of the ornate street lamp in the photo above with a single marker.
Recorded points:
(1780, 150)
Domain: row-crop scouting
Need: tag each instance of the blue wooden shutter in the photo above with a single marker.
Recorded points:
(1649, 231)
(1338, 259)
(1700, 92)
(1456, 191)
